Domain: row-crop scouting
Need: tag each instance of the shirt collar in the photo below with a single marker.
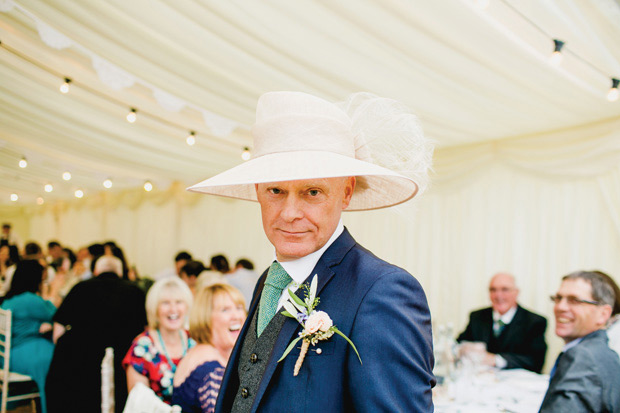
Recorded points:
(571, 344)
(300, 268)
(507, 317)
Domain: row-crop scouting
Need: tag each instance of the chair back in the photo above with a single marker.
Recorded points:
(107, 381)
(5, 353)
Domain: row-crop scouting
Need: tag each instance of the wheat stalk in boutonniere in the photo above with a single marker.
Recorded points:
(317, 325)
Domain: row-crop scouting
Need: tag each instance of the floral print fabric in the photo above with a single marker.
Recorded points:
(146, 359)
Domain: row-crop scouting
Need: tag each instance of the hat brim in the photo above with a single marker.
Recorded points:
(376, 187)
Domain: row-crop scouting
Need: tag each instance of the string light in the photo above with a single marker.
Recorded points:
(79, 193)
(49, 188)
(66, 175)
(556, 56)
(246, 155)
(148, 186)
(613, 94)
(191, 138)
(40, 201)
(107, 183)
(132, 115)
(14, 197)
(64, 88)
(23, 162)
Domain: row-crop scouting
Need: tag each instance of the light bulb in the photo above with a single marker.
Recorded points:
(613, 93)
(66, 175)
(191, 138)
(23, 162)
(107, 183)
(79, 193)
(64, 88)
(40, 201)
(14, 197)
(245, 155)
(556, 57)
(49, 188)
(148, 186)
(132, 115)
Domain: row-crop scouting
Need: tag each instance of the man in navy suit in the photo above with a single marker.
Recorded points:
(514, 336)
(311, 164)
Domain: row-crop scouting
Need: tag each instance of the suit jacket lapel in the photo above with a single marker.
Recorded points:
(512, 328)
(332, 256)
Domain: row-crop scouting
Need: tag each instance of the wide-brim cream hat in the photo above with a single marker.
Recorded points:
(299, 136)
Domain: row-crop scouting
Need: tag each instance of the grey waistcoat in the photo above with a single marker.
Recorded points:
(253, 360)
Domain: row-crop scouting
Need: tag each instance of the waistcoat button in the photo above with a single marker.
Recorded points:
(253, 358)
(244, 393)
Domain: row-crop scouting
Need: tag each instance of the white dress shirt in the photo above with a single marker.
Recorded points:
(506, 318)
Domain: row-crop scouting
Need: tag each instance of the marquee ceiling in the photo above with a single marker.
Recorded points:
(471, 75)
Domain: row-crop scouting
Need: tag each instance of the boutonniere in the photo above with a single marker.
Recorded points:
(317, 325)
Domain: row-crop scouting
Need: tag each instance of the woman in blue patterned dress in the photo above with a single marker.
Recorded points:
(31, 351)
(215, 322)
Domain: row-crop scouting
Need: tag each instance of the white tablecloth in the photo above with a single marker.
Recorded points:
(518, 391)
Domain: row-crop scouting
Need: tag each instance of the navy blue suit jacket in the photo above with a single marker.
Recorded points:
(383, 310)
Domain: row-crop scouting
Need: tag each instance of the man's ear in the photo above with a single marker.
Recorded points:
(604, 314)
(349, 187)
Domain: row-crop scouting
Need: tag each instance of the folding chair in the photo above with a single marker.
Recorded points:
(8, 378)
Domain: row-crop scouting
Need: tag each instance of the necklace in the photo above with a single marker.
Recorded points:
(163, 346)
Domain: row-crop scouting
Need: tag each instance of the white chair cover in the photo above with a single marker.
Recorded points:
(144, 400)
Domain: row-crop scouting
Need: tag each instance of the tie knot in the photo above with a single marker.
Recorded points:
(277, 276)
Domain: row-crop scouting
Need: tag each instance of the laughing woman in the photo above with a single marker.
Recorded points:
(155, 354)
(215, 322)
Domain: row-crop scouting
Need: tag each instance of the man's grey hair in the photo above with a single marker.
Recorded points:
(108, 263)
(601, 290)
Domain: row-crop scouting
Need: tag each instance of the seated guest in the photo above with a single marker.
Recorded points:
(244, 278)
(586, 374)
(190, 272)
(219, 263)
(182, 258)
(155, 354)
(214, 322)
(514, 336)
(31, 352)
(104, 311)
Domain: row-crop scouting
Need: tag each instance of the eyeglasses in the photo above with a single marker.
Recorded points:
(572, 301)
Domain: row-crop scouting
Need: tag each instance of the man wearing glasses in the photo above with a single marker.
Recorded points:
(586, 375)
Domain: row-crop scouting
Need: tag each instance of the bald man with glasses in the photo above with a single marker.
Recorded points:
(586, 374)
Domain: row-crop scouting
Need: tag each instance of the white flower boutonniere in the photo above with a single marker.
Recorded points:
(317, 325)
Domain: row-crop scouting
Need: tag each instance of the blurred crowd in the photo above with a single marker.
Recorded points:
(171, 333)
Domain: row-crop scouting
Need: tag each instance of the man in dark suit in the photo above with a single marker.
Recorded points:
(586, 374)
(381, 308)
(514, 336)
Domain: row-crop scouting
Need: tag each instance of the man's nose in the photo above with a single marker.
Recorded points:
(292, 208)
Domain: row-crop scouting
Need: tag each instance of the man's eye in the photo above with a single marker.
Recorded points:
(313, 192)
(275, 191)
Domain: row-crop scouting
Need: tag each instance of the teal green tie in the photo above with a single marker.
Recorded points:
(277, 280)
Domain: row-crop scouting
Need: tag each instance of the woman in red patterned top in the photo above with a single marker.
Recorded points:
(155, 354)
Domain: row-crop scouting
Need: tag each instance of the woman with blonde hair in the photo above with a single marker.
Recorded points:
(214, 322)
(155, 354)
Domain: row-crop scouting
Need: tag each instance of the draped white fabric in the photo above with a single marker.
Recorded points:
(526, 177)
